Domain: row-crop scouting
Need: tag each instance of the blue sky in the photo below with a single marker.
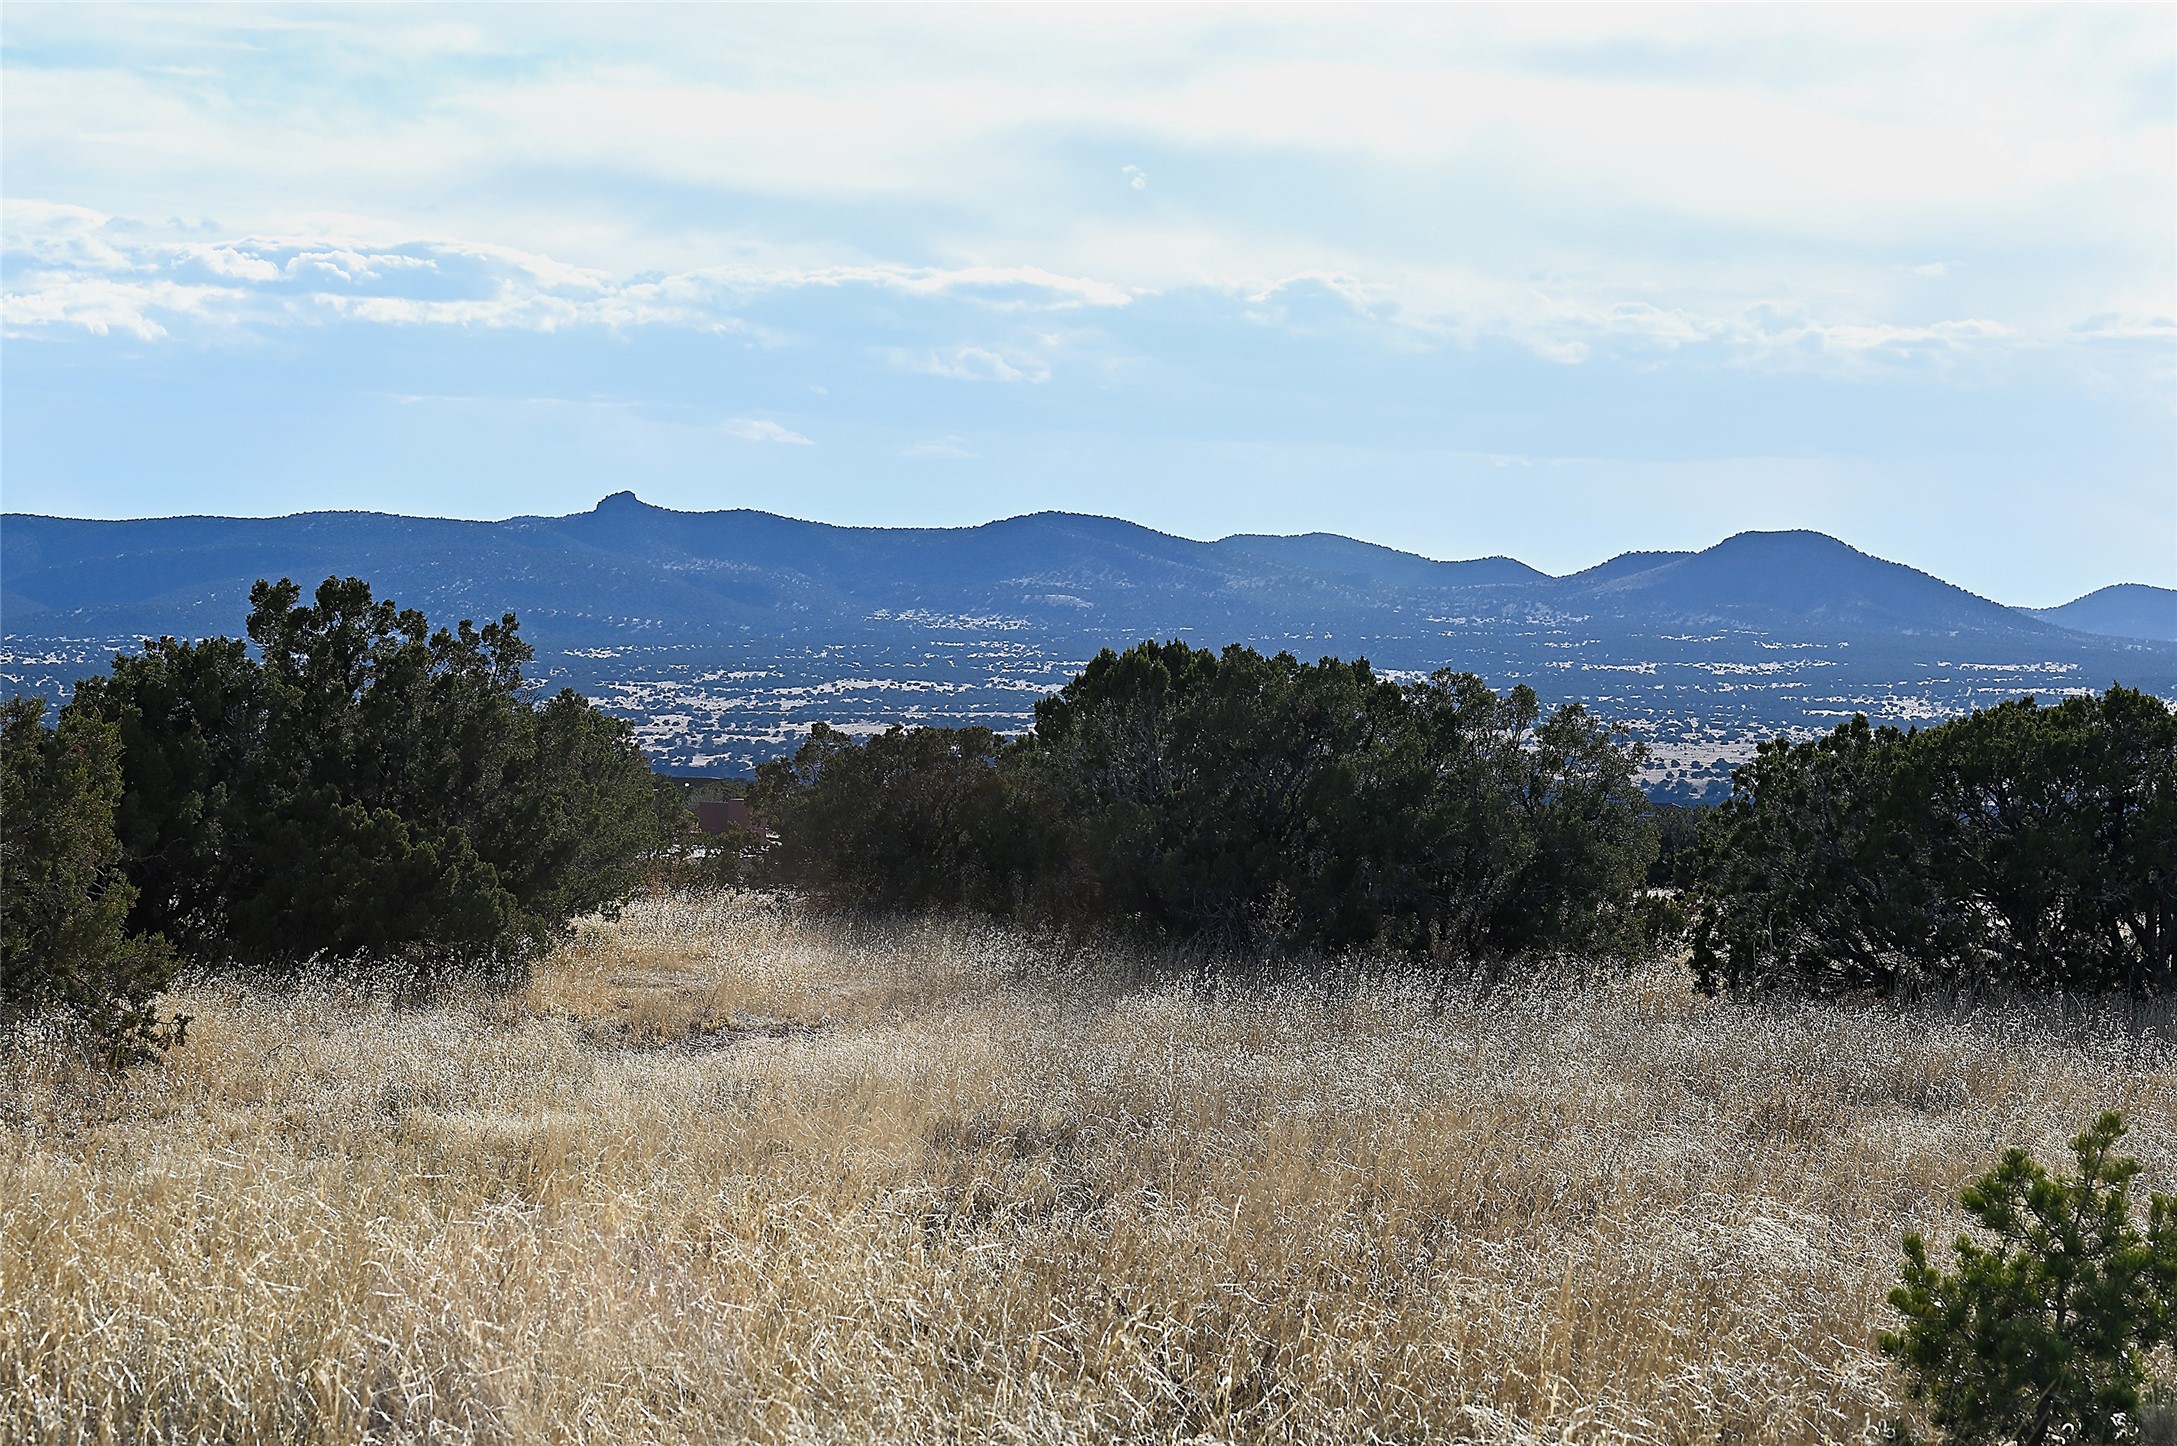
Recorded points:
(1552, 282)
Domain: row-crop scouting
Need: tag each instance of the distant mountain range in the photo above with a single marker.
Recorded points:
(723, 633)
(629, 565)
(2125, 610)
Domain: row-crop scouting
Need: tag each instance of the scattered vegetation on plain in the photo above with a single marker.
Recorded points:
(727, 1169)
(2019, 847)
(1254, 1049)
(66, 952)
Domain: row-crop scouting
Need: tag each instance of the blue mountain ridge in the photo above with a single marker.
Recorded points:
(626, 561)
(722, 635)
(2123, 610)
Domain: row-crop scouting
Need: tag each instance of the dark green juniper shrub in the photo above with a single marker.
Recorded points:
(2041, 1336)
(2022, 847)
(1237, 799)
(909, 818)
(353, 784)
(66, 951)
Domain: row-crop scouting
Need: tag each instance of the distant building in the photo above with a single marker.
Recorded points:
(716, 815)
(717, 803)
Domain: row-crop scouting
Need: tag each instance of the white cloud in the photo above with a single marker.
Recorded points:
(761, 429)
(72, 267)
(2115, 326)
(966, 364)
(528, 312)
(1947, 333)
(1567, 181)
(1586, 144)
(352, 266)
(54, 234)
(977, 282)
(229, 261)
(101, 305)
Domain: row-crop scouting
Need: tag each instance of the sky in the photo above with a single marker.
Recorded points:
(1551, 282)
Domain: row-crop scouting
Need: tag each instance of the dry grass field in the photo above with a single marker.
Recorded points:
(725, 1172)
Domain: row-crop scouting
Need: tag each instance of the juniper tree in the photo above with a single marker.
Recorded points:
(2022, 846)
(66, 951)
(365, 785)
(1242, 799)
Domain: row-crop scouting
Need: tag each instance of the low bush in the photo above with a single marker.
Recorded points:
(2041, 1335)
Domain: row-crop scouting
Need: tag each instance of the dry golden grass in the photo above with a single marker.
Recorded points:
(724, 1172)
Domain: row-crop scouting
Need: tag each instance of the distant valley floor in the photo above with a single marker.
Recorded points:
(1700, 702)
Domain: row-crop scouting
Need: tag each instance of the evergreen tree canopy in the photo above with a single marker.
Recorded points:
(2022, 846)
(65, 947)
(2041, 1334)
(907, 818)
(364, 785)
(1242, 798)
